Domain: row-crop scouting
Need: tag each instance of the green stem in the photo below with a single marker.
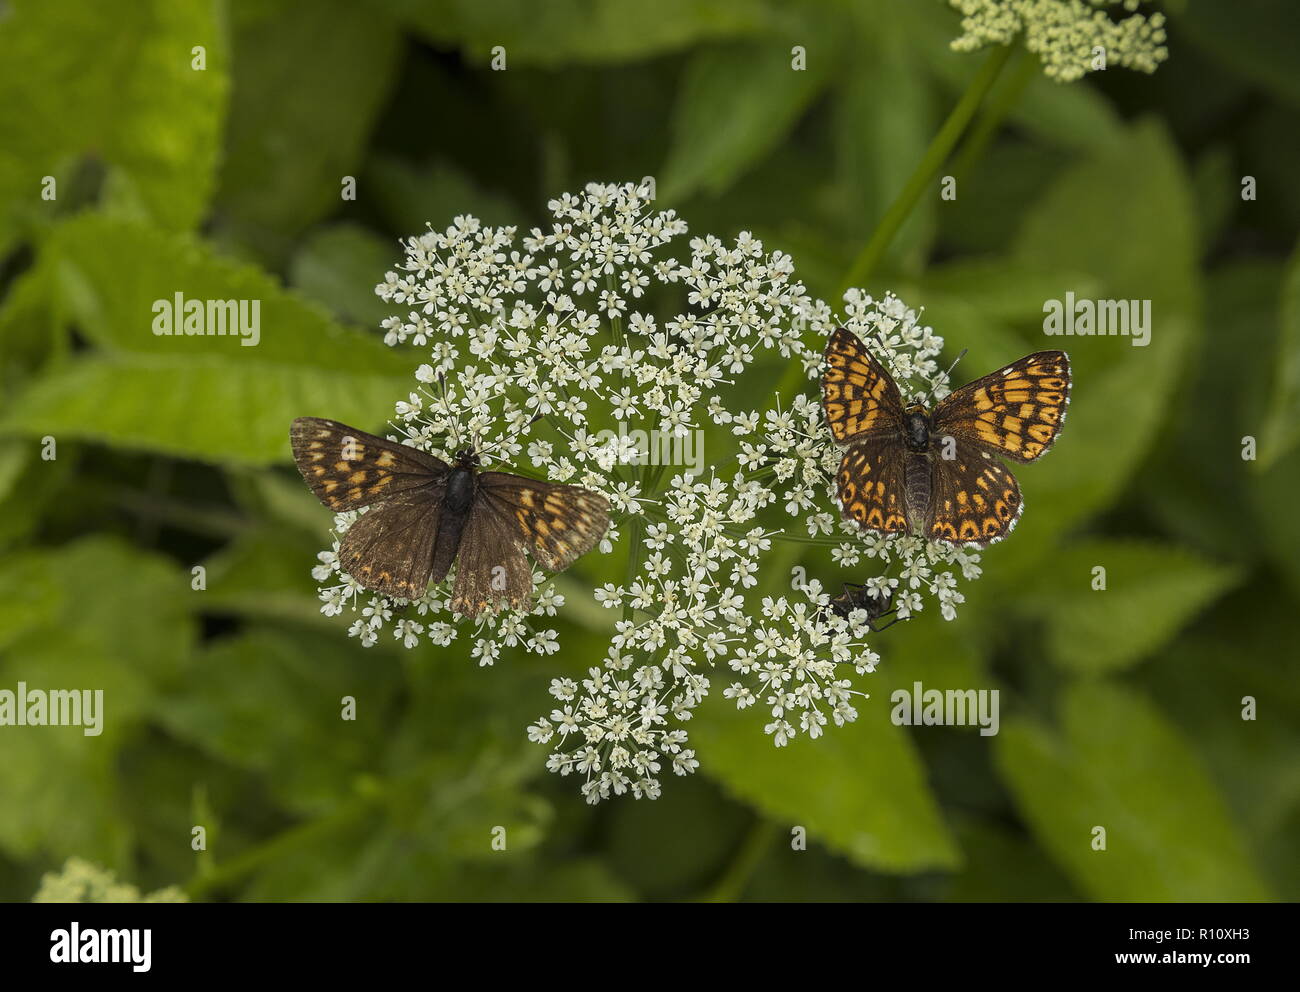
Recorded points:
(731, 886)
(634, 529)
(977, 141)
(922, 178)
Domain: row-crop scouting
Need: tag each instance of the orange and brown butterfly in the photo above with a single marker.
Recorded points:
(425, 514)
(937, 473)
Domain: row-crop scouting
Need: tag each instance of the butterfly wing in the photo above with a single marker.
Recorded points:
(871, 485)
(974, 499)
(348, 469)
(1015, 412)
(389, 548)
(557, 523)
(859, 397)
(492, 571)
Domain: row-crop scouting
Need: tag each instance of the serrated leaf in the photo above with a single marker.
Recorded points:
(1118, 764)
(206, 396)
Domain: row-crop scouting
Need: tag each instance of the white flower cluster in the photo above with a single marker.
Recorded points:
(543, 328)
(536, 346)
(84, 881)
(796, 653)
(805, 459)
(1066, 34)
(692, 609)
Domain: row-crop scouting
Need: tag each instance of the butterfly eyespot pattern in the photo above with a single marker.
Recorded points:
(938, 474)
(422, 516)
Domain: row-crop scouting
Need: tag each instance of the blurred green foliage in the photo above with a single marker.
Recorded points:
(1122, 710)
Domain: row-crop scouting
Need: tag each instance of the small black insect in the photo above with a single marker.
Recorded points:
(856, 597)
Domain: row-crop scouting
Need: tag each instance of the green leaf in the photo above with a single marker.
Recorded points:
(1132, 231)
(94, 615)
(411, 196)
(1002, 866)
(311, 77)
(1151, 590)
(306, 750)
(1281, 429)
(339, 266)
(267, 574)
(1254, 761)
(693, 808)
(567, 31)
(734, 105)
(207, 397)
(860, 789)
(884, 125)
(31, 330)
(1010, 290)
(116, 84)
(1204, 440)
(1118, 764)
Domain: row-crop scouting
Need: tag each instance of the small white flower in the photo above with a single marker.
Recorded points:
(524, 337)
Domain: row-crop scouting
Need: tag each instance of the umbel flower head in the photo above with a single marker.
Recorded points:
(557, 354)
(83, 881)
(1066, 34)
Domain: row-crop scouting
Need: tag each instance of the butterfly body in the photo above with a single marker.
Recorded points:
(936, 473)
(917, 428)
(424, 515)
(457, 502)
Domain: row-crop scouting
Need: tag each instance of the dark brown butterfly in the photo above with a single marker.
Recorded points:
(937, 474)
(854, 596)
(425, 514)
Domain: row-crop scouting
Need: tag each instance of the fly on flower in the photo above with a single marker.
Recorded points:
(937, 474)
(858, 596)
(425, 514)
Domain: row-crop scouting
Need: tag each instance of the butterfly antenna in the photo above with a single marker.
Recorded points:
(512, 435)
(947, 376)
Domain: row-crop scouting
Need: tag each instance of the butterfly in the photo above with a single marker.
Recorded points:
(937, 473)
(425, 514)
(854, 596)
